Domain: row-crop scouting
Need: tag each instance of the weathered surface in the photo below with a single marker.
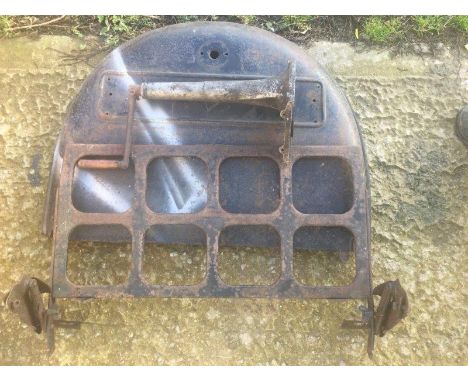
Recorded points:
(407, 107)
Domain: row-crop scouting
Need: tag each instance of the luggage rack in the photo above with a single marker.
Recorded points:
(280, 202)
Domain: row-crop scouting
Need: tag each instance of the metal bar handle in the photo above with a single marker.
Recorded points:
(266, 92)
(275, 92)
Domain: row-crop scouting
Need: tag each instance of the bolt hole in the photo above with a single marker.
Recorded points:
(214, 54)
(110, 94)
(226, 54)
(201, 53)
(314, 100)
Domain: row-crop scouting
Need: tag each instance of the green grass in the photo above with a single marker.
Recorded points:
(431, 24)
(116, 28)
(380, 29)
(383, 29)
(248, 19)
(460, 23)
(439, 24)
(375, 30)
(5, 25)
(296, 24)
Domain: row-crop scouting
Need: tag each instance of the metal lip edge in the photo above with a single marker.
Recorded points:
(64, 288)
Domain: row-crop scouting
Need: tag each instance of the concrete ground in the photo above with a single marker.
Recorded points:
(407, 107)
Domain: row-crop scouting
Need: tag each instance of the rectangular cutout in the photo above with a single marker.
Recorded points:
(249, 255)
(249, 185)
(324, 256)
(174, 254)
(98, 263)
(103, 190)
(176, 185)
(322, 185)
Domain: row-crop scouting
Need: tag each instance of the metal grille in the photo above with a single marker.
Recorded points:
(212, 219)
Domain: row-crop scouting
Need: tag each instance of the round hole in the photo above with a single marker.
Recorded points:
(226, 54)
(201, 53)
(214, 54)
(110, 94)
(314, 100)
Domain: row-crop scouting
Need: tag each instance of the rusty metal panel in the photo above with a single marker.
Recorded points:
(203, 127)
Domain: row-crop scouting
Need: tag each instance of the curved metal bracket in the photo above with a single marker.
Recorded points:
(25, 300)
(393, 307)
